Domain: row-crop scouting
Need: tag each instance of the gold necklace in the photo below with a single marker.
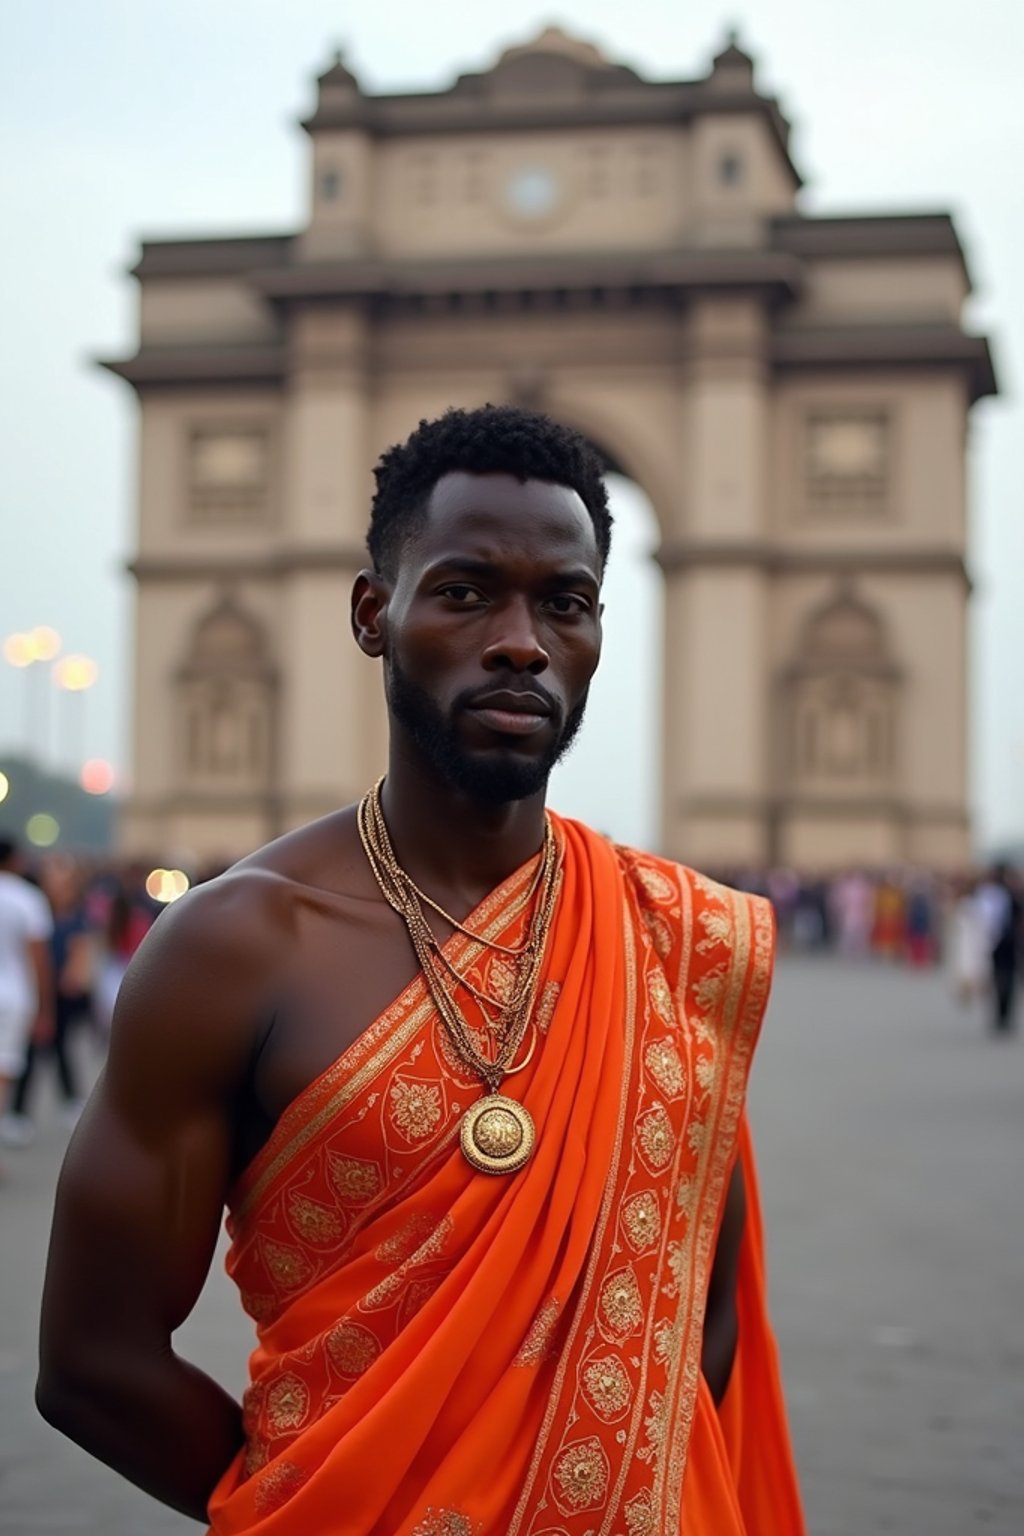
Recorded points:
(497, 1133)
(376, 811)
(407, 898)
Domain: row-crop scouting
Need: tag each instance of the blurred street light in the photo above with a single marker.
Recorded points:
(45, 643)
(5, 787)
(75, 673)
(18, 650)
(42, 830)
(97, 776)
(166, 885)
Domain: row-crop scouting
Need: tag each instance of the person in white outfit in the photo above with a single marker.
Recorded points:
(26, 982)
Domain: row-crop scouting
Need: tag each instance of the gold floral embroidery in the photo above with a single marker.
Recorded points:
(546, 1007)
(537, 1344)
(709, 888)
(654, 883)
(385, 1291)
(661, 933)
(696, 1136)
(620, 1302)
(405, 1240)
(354, 1178)
(352, 1348)
(607, 1387)
(287, 1404)
(450, 1056)
(416, 1296)
(708, 989)
(666, 1342)
(640, 1515)
(685, 1193)
(701, 1028)
(718, 927)
(641, 1221)
(500, 979)
(255, 1457)
(581, 1474)
(661, 997)
(444, 1522)
(656, 1137)
(655, 1426)
(277, 1485)
(258, 1305)
(705, 1071)
(288, 1266)
(315, 1222)
(415, 1109)
(663, 1063)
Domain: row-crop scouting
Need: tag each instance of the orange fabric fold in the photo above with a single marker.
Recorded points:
(447, 1353)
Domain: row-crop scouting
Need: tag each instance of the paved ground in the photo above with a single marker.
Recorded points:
(891, 1135)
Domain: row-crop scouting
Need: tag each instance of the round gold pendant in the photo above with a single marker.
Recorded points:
(497, 1134)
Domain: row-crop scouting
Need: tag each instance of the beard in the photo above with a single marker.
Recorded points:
(490, 778)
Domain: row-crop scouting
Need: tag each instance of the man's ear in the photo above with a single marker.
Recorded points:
(370, 596)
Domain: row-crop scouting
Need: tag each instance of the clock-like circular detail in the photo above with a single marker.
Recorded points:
(532, 192)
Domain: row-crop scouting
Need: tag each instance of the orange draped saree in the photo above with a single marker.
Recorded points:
(448, 1353)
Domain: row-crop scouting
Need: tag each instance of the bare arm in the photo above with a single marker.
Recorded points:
(139, 1205)
(721, 1322)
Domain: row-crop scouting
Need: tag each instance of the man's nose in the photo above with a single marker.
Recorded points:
(514, 643)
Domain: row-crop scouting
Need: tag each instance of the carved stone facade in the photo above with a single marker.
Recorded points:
(791, 392)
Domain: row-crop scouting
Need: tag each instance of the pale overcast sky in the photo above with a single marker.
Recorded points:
(125, 118)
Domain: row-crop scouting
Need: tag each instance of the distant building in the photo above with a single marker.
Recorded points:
(792, 393)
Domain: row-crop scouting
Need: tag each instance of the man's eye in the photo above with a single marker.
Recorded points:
(568, 602)
(465, 596)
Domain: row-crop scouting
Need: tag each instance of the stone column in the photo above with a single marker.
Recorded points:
(330, 734)
(716, 595)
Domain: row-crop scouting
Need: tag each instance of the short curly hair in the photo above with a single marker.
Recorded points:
(492, 439)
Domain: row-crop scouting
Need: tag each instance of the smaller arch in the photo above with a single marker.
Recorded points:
(845, 633)
(226, 700)
(227, 639)
(841, 722)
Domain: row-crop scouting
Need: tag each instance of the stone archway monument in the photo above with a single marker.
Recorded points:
(791, 393)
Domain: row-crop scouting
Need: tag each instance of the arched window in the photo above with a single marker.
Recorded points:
(227, 691)
(841, 724)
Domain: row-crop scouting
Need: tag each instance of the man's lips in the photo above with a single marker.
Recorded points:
(512, 713)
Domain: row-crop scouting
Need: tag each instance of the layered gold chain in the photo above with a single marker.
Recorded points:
(513, 1015)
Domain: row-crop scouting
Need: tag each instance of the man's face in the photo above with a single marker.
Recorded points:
(494, 632)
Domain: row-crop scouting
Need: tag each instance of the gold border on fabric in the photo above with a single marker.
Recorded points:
(640, 1401)
(746, 993)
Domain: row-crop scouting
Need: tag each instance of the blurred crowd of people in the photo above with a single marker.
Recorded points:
(69, 927)
(972, 923)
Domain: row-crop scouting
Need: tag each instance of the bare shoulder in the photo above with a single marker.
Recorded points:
(236, 932)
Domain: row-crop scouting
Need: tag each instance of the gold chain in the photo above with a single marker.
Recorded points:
(383, 841)
(406, 899)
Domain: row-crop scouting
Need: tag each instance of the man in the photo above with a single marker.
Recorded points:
(70, 956)
(26, 984)
(999, 910)
(470, 1082)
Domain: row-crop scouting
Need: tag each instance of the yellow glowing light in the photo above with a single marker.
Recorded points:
(42, 830)
(5, 787)
(166, 885)
(75, 673)
(97, 776)
(45, 643)
(19, 651)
